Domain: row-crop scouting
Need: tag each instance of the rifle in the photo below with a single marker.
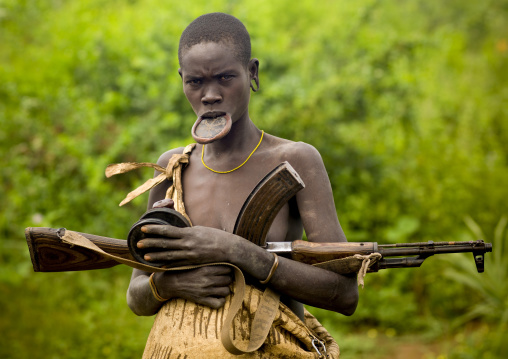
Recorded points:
(50, 254)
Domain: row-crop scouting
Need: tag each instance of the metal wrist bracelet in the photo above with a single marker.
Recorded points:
(272, 271)
(154, 290)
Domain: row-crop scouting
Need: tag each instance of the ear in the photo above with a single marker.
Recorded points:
(180, 73)
(253, 68)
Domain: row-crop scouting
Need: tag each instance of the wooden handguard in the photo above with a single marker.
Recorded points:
(50, 254)
(313, 252)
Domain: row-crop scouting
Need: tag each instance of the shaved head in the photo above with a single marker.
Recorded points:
(217, 27)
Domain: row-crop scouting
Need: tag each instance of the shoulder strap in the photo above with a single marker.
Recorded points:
(172, 172)
(175, 191)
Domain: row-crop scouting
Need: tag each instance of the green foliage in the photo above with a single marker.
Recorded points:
(71, 315)
(406, 102)
(491, 287)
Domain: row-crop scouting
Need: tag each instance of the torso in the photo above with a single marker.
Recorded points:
(225, 194)
(214, 200)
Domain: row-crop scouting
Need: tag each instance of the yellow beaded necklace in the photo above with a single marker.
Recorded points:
(234, 169)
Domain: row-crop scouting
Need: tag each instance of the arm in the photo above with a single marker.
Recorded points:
(310, 285)
(317, 211)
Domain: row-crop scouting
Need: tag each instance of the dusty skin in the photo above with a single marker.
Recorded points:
(214, 80)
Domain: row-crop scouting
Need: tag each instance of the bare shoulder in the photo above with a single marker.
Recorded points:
(299, 154)
(301, 151)
(315, 202)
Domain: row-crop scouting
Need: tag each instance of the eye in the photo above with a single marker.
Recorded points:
(193, 82)
(226, 77)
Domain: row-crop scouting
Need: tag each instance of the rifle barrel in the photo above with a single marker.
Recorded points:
(422, 244)
(431, 248)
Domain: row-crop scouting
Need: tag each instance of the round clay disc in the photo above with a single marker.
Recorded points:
(208, 129)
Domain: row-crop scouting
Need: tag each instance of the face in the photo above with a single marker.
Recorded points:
(215, 80)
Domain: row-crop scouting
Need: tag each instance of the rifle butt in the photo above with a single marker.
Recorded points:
(49, 254)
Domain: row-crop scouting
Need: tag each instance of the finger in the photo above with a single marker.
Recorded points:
(215, 270)
(160, 243)
(212, 302)
(220, 281)
(164, 203)
(169, 256)
(164, 230)
(218, 292)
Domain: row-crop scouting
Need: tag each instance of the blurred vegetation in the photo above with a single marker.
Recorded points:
(405, 100)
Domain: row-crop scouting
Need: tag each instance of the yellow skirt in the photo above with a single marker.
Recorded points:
(184, 329)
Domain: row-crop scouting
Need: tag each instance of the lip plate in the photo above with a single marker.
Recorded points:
(209, 129)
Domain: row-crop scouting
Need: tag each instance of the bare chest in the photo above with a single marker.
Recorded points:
(215, 200)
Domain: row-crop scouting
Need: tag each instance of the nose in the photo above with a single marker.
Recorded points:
(211, 95)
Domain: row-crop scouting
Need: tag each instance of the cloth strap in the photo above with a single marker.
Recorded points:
(172, 172)
(357, 263)
(367, 261)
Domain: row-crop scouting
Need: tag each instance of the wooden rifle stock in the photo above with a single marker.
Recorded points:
(50, 254)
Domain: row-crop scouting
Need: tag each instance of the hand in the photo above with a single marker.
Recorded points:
(206, 285)
(187, 246)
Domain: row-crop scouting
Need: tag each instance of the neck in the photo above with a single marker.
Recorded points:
(242, 138)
